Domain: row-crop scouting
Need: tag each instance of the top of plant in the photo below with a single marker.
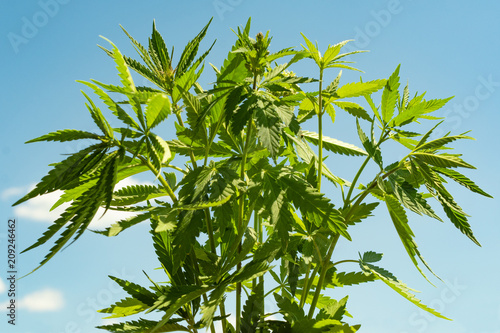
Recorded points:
(249, 160)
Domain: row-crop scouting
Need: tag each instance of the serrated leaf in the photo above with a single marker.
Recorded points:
(462, 180)
(334, 145)
(400, 221)
(268, 125)
(157, 106)
(441, 160)
(143, 326)
(398, 286)
(126, 307)
(356, 89)
(65, 135)
(418, 110)
(390, 96)
(354, 109)
(439, 143)
(371, 256)
(123, 72)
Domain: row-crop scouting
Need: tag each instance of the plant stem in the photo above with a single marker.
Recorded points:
(320, 129)
(239, 228)
(324, 268)
(160, 178)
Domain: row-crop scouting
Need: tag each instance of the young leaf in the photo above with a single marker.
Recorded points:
(334, 145)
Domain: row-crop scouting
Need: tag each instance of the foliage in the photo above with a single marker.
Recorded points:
(249, 203)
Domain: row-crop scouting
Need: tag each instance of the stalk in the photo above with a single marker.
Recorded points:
(162, 180)
(320, 129)
(242, 211)
(324, 268)
(241, 214)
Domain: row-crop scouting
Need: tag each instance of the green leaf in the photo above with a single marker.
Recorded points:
(158, 106)
(439, 143)
(253, 309)
(126, 307)
(116, 109)
(356, 89)
(268, 125)
(134, 194)
(66, 135)
(334, 145)
(397, 286)
(191, 50)
(144, 326)
(390, 96)
(418, 110)
(123, 72)
(411, 199)
(289, 309)
(441, 160)
(371, 256)
(462, 180)
(400, 221)
(354, 109)
(350, 279)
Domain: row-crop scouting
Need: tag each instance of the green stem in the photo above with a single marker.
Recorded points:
(324, 268)
(239, 228)
(343, 261)
(304, 288)
(320, 129)
(160, 178)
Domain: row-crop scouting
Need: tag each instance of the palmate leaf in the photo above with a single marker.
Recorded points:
(116, 109)
(175, 298)
(191, 50)
(66, 135)
(400, 221)
(79, 215)
(359, 212)
(334, 145)
(125, 170)
(138, 292)
(98, 118)
(144, 326)
(451, 208)
(418, 110)
(313, 203)
(307, 154)
(411, 199)
(158, 51)
(397, 286)
(67, 172)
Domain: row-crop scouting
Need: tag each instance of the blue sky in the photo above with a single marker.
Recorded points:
(447, 48)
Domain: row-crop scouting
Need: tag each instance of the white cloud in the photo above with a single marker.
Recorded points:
(38, 208)
(12, 192)
(45, 300)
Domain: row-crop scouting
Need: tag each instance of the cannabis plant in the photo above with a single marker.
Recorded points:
(237, 210)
